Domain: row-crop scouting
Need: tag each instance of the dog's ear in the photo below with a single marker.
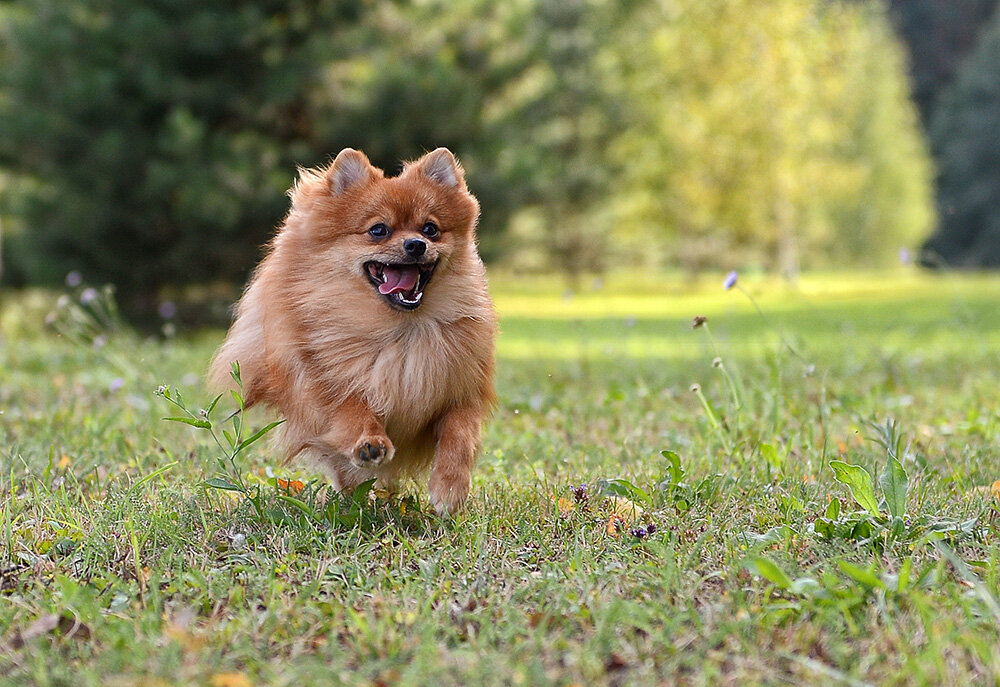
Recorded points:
(441, 166)
(349, 168)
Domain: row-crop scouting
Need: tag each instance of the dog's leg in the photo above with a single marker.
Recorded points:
(357, 434)
(457, 435)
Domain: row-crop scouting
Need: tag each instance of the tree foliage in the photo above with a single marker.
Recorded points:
(779, 132)
(153, 141)
(965, 137)
(150, 143)
(939, 34)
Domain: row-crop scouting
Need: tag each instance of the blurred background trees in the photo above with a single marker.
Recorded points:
(150, 144)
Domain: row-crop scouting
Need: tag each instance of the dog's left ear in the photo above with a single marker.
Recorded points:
(441, 166)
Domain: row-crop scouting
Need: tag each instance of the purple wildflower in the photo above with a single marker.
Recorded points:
(88, 296)
(116, 384)
(167, 309)
(74, 279)
(904, 256)
(730, 280)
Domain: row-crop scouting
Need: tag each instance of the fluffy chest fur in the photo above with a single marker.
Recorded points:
(407, 375)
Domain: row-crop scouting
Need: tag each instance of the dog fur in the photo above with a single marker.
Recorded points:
(369, 389)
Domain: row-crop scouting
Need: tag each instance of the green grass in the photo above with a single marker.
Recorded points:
(106, 579)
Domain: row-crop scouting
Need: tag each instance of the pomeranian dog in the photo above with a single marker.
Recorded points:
(368, 325)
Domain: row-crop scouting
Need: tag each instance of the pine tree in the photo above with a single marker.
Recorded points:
(150, 143)
(965, 135)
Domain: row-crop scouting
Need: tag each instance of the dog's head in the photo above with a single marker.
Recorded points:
(394, 234)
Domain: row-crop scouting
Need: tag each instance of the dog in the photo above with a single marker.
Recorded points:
(369, 326)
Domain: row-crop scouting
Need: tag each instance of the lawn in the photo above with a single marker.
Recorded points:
(655, 502)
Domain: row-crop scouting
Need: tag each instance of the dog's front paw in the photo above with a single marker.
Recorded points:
(448, 492)
(372, 451)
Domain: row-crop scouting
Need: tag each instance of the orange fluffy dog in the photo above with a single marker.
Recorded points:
(369, 326)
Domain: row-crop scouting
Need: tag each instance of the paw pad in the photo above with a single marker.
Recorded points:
(371, 453)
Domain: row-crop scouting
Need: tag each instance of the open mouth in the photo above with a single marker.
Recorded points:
(401, 284)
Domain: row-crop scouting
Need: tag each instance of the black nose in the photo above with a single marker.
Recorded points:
(414, 247)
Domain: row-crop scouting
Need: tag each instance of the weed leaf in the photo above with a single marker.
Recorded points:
(676, 471)
(194, 422)
(858, 481)
(769, 571)
(894, 484)
(212, 405)
(866, 578)
(622, 488)
(257, 435)
(833, 510)
(219, 483)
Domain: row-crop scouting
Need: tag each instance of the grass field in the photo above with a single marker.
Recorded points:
(118, 566)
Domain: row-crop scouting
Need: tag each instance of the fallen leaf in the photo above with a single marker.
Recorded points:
(615, 662)
(229, 680)
(565, 506)
(69, 625)
(292, 487)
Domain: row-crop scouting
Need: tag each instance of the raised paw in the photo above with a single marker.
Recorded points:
(372, 451)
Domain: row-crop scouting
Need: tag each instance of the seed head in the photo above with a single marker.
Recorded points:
(698, 321)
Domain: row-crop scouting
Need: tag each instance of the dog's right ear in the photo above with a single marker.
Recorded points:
(350, 168)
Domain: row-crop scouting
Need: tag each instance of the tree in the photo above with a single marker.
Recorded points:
(964, 134)
(773, 133)
(151, 143)
(939, 34)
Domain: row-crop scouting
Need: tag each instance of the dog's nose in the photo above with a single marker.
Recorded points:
(414, 247)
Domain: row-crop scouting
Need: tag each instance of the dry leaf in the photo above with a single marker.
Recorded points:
(628, 510)
(66, 623)
(230, 680)
(292, 487)
(623, 513)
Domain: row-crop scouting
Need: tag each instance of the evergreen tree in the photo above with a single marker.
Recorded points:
(965, 135)
(939, 34)
(151, 142)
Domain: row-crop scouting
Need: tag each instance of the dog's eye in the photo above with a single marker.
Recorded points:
(430, 230)
(379, 231)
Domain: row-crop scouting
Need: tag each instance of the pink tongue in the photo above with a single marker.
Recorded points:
(399, 278)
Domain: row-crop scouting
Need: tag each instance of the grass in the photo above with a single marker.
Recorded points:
(119, 567)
